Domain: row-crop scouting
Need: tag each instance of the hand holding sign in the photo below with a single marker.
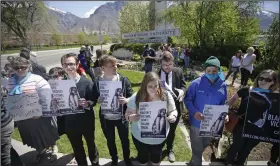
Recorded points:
(181, 94)
(83, 103)
(227, 119)
(100, 99)
(198, 116)
(123, 100)
(133, 117)
(171, 118)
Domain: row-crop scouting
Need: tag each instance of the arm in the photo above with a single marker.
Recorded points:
(128, 90)
(225, 95)
(44, 93)
(251, 62)
(233, 99)
(92, 94)
(189, 98)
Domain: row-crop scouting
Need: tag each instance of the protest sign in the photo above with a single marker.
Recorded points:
(65, 98)
(213, 123)
(262, 117)
(23, 106)
(110, 91)
(153, 122)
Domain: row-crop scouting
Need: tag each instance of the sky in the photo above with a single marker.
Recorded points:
(84, 9)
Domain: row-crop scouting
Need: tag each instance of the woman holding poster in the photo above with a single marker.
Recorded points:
(38, 132)
(149, 93)
(266, 81)
(209, 89)
(118, 89)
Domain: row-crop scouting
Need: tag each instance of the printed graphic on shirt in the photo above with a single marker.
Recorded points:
(153, 120)
(110, 91)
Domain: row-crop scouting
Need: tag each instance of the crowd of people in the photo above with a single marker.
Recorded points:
(24, 75)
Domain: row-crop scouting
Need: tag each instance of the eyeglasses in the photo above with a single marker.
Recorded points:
(265, 79)
(20, 68)
(69, 64)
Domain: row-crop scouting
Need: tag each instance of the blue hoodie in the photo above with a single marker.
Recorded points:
(202, 92)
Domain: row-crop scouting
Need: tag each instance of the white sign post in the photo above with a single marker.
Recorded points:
(153, 122)
(213, 123)
(110, 91)
(151, 34)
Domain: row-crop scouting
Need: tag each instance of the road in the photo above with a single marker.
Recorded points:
(51, 58)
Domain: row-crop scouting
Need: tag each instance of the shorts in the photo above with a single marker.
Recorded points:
(146, 150)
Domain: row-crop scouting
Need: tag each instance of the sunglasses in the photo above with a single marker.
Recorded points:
(265, 79)
(20, 68)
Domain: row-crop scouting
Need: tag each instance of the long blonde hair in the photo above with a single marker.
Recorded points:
(273, 73)
(142, 95)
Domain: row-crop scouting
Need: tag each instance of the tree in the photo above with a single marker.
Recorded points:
(81, 38)
(23, 17)
(106, 39)
(134, 17)
(56, 38)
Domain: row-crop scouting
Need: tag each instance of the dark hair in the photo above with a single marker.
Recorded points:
(18, 61)
(98, 53)
(167, 57)
(57, 71)
(69, 55)
(25, 53)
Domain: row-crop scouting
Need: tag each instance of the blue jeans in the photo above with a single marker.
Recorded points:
(187, 61)
(198, 144)
(148, 67)
(176, 55)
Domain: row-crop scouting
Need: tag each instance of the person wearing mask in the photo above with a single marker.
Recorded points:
(150, 90)
(208, 89)
(150, 56)
(173, 77)
(81, 124)
(85, 62)
(110, 121)
(38, 132)
(266, 81)
(35, 67)
(96, 67)
(234, 66)
(247, 66)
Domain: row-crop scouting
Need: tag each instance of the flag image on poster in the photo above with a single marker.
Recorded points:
(213, 123)
(65, 98)
(110, 91)
(153, 122)
(262, 117)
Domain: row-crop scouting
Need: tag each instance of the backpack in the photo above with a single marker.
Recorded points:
(39, 70)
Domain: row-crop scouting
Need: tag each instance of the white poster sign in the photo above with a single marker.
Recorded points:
(156, 40)
(110, 91)
(65, 98)
(155, 33)
(213, 123)
(153, 122)
(24, 106)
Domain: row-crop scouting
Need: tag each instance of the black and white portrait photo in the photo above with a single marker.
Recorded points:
(218, 126)
(73, 98)
(115, 105)
(159, 125)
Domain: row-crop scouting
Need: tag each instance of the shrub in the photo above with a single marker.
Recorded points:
(136, 48)
(224, 68)
(136, 57)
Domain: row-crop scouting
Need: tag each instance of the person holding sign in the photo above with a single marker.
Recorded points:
(266, 81)
(151, 96)
(113, 91)
(173, 79)
(208, 89)
(81, 124)
(31, 93)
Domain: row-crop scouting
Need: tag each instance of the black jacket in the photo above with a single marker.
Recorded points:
(39, 70)
(179, 83)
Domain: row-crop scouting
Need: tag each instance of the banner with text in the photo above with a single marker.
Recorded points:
(153, 122)
(213, 123)
(263, 117)
(155, 33)
(65, 98)
(23, 106)
(110, 91)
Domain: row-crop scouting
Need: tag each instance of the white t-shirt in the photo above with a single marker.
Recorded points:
(236, 62)
(246, 60)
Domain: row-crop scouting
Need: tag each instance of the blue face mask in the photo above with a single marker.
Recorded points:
(212, 76)
(261, 90)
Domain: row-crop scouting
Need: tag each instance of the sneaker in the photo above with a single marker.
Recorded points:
(270, 163)
(171, 156)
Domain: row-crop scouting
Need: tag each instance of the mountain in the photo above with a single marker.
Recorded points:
(266, 19)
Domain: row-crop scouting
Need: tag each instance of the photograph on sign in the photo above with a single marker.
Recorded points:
(262, 117)
(153, 122)
(155, 33)
(24, 106)
(110, 91)
(65, 98)
(213, 123)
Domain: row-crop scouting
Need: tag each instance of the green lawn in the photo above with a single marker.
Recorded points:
(11, 51)
(181, 149)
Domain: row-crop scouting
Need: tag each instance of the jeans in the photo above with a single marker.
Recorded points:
(148, 67)
(108, 128)
(187, 61)
(198, 144)
(6, 144)
(241, 146)
(235, 71)
(244, 76)
(176, 55)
